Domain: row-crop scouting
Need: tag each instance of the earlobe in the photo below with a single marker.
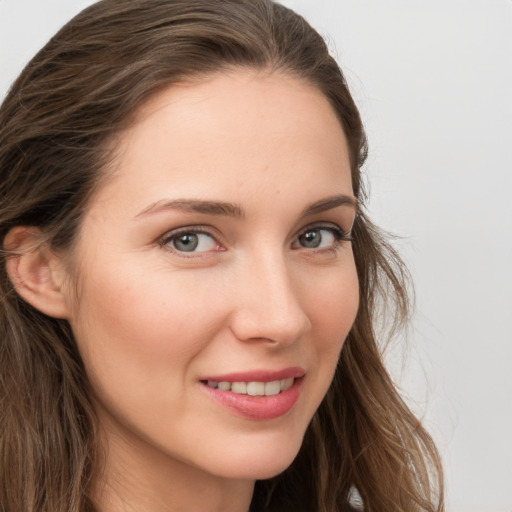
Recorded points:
(36, 272)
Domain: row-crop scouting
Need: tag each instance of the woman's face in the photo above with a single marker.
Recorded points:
(216, 277)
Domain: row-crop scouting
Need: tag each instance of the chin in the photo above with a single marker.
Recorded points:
(268, 470)
(259, 461)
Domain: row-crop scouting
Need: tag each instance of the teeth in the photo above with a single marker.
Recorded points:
(253, 388)
(256, 388)
(239, 387)
(286, 383)
(224, 386)
(272, 388)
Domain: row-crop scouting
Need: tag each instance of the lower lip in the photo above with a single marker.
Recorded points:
(257, 407)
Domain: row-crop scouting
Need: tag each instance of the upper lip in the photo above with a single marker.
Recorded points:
(258, 375)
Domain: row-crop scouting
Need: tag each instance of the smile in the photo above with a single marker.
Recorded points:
(256, 395)
(253, 388)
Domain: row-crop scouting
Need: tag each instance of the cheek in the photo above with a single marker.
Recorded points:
(334, 308)
(131, 324)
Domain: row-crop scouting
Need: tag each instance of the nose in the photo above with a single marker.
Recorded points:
(268, 304)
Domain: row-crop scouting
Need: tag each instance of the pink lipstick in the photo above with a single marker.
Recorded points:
(256, 395)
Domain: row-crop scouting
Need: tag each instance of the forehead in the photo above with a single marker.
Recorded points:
(241, 129)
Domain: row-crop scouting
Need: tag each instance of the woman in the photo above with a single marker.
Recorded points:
(190, 284)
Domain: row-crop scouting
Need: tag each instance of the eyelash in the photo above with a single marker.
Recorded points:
(167, 239)
(339, 234)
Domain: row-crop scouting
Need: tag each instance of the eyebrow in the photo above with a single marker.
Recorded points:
(197, 206)
(329, 203)
(236, 211)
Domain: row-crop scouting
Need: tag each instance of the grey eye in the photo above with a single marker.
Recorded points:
(192, 242)
(311, 239)
(186, 243)
(318, 238)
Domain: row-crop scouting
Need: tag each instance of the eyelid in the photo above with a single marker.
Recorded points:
(195, 229)
(338, 232)
(329, 226)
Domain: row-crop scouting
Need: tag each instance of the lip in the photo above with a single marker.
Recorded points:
(259, 375)
(257, 407)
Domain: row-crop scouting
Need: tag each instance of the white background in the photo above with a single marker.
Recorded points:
(434, 83)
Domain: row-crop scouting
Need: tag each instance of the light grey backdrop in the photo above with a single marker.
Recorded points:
(433, 80)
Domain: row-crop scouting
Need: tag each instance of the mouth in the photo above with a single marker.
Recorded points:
(253, 388)
(256, 395)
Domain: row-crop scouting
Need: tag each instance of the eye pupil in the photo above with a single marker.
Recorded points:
(187, 242)
(311, 239)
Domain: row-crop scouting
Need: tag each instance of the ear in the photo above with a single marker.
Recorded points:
(37, 273)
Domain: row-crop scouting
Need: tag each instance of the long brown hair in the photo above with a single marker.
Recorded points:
(55, 124)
